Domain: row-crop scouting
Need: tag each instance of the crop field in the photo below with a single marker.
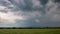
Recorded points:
(29, 31)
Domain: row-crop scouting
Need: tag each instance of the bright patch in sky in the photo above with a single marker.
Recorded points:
(2, 7)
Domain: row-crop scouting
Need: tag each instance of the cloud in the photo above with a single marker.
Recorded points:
(30, 13)
(9, 17)
(53, 10)
(51, 18)
(2, 7)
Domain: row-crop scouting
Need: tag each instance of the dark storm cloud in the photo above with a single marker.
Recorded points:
(43, 2)
(56, 1)
(26, 5)
(29, 13)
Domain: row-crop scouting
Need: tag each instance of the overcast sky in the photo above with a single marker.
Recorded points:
(29, 13)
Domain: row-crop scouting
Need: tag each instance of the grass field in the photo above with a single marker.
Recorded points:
(29, 31)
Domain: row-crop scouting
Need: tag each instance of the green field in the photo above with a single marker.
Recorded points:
(29, 31)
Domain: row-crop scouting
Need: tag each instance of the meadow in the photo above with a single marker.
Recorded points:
(29, 31)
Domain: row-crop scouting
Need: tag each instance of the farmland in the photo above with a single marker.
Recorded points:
(29, 31)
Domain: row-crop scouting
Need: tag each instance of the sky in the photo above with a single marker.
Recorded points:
(29, 13)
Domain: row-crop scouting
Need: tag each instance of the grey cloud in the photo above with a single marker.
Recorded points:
(37, 13)
(27, 5)
(52, 15)
(43, 2)
(56, 1)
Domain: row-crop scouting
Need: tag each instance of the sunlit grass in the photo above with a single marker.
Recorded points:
(29, 31)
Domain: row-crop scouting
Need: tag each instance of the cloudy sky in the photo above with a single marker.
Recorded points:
(29, 13)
